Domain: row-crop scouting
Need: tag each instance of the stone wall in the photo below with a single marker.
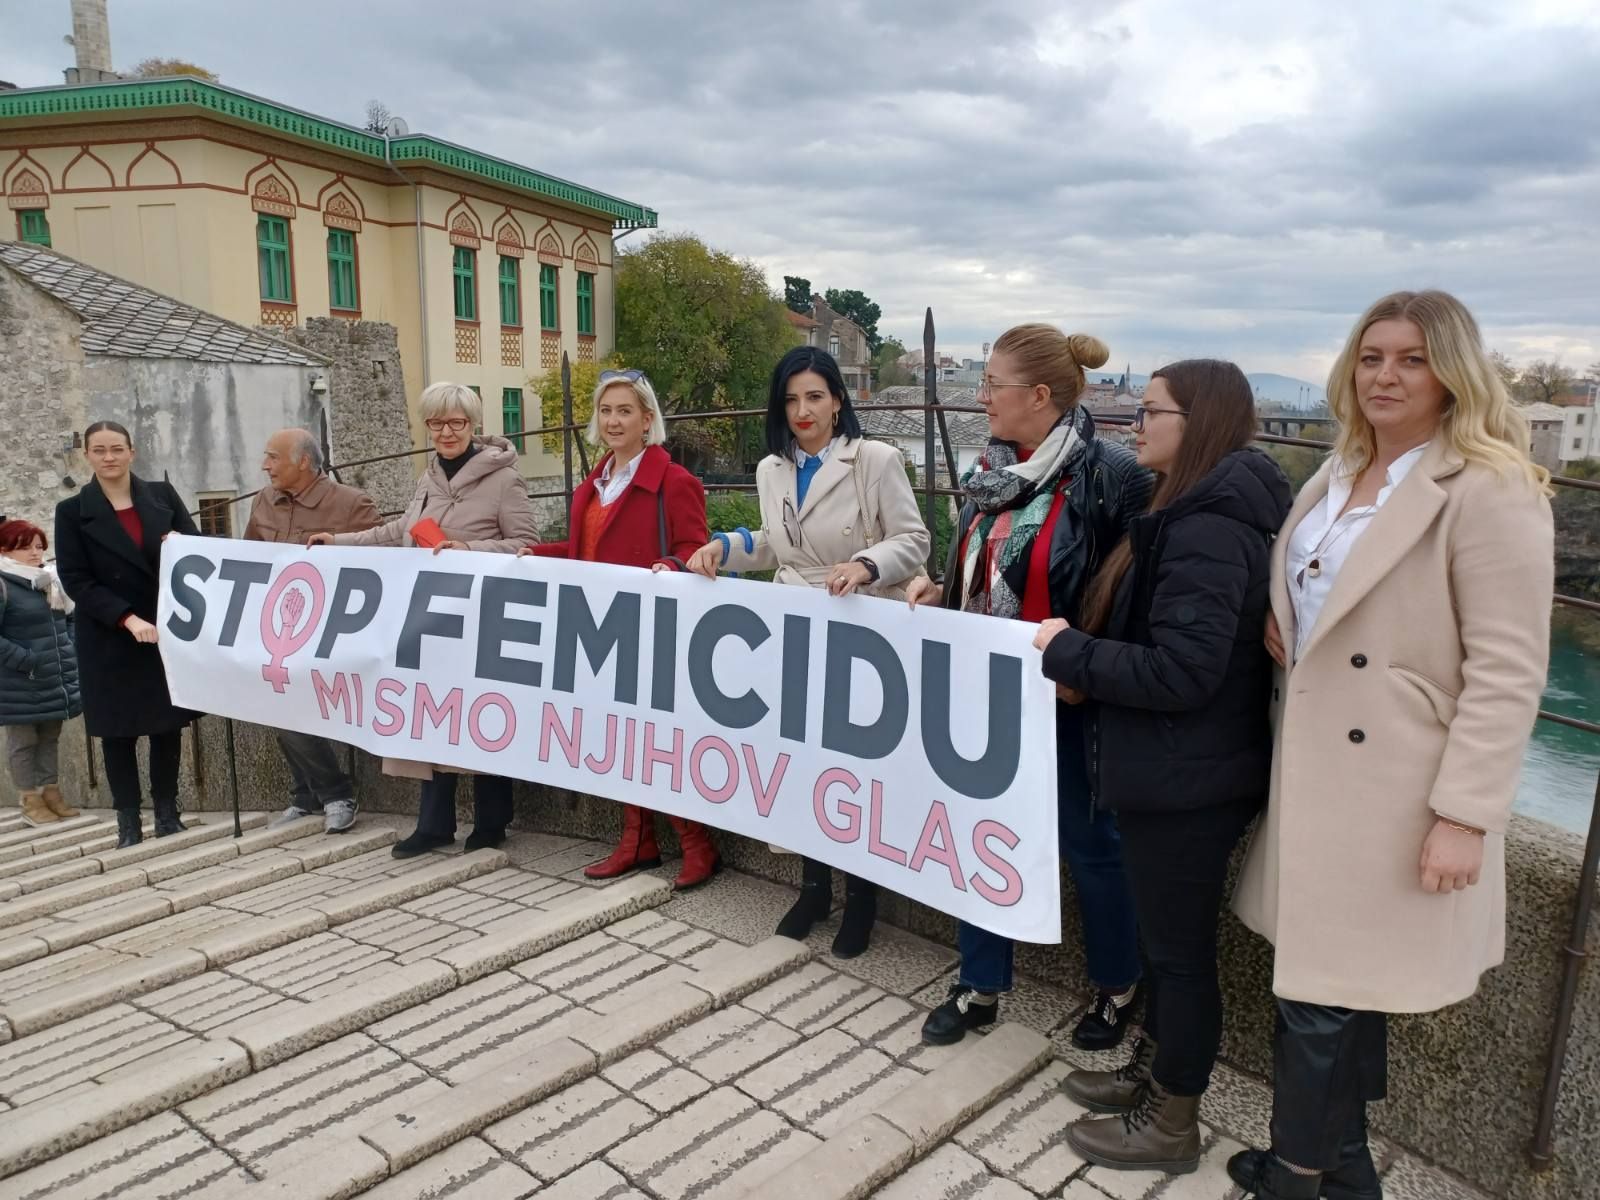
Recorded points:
(367, 387)
(41, 367)
(1464, 1083)
(202, 425)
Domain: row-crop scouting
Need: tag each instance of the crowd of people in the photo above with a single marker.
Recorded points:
(1352, 673)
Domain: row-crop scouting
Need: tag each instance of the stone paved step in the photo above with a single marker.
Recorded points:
(521, 1032)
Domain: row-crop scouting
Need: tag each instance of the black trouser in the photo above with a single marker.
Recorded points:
(491, 803)
(1177, 864)
(1327, 1064)
(122, 768)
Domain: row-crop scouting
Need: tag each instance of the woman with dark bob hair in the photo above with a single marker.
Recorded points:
(837, 512)
(108, 548)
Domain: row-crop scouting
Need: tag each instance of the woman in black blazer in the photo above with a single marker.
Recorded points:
(108, 553)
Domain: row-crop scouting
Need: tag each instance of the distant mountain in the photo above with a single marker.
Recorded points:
(1285, 389)
(1281, 389)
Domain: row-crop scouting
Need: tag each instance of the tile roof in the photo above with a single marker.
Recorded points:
(963, 418)
(125, 320)
(798, 320)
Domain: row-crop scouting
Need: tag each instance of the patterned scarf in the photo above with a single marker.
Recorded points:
(1014, 499)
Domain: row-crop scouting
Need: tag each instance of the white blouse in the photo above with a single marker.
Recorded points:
(1320, 544)
(612, 484)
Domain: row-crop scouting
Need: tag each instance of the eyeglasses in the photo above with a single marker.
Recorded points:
(453, 424)
(985, 385)
(632, 375)
(1140, 412)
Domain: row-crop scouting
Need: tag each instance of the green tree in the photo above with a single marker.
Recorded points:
(886, 371)
(1543, 381)
(864, 312)
(706, 330)
(797, 294)
(160, 68)
(585, 377)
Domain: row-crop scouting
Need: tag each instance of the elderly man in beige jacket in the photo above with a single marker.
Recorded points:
(300, 499)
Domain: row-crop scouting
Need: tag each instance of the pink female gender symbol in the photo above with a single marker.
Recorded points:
(281, 638)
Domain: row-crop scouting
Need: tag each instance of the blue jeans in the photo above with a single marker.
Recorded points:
(1092, 848)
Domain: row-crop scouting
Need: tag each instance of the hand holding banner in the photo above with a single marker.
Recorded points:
(914, 749)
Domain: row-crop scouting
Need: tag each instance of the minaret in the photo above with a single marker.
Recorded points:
(91, 39)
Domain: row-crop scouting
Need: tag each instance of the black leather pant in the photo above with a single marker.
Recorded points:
(1327, 1064)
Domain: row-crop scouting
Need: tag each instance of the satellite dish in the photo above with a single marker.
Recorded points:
(397, 127)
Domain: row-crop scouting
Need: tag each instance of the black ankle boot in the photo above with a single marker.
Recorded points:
(1259, 1173)
(860, 914)
(128, 831)
(816, 898)
(167, 822)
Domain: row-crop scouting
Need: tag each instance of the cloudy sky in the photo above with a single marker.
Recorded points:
(1180, 178)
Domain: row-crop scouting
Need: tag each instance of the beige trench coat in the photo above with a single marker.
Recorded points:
(833, 526)
(1414, 698)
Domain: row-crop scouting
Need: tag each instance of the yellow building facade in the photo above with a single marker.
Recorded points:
(265, 215)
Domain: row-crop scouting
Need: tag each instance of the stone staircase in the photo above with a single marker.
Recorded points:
(288, 1014)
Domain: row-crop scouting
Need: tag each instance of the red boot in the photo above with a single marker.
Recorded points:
(700, 859)
(636, 850)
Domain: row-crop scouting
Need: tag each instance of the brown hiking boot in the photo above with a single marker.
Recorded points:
(51, 795)
(1161, 1134)
(34, 811)
(1114, 1091)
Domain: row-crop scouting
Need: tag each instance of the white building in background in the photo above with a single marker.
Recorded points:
(1580, 434)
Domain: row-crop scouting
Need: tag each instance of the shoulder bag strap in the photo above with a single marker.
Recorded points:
(661, 529)
(869, 521)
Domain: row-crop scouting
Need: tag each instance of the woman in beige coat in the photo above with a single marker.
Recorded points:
(474, 493)
(1411, 609)
(837, 512)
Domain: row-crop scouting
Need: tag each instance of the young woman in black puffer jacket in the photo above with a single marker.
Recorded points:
(38, 670)
(1171, 661)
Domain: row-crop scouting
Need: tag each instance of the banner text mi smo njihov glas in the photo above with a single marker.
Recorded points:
(915, 749)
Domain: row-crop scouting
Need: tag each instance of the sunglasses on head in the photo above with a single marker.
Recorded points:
(632, 375)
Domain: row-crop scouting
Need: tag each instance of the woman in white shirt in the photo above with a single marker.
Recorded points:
(1411, 609)
(837, 512)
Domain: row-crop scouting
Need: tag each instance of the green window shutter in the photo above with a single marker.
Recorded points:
(34, 226)
(549, 310)
(585, 302)
(272, 258)
(466, 273)
(342, 290)
(511, 410)
(510, 291)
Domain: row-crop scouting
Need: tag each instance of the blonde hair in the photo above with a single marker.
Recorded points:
(1479, 422)
(1045, 355)
(440, 399)
(653, 436)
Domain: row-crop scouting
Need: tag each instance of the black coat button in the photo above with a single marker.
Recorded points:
(1357, 736)
(1358, 660)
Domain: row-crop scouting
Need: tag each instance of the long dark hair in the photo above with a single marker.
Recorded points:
(1221, 418)
(780, 438)
(106, 427)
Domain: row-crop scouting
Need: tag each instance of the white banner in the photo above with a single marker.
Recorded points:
(914, 749)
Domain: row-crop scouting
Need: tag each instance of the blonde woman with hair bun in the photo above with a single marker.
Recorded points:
(1411, 619)
(1044, 503)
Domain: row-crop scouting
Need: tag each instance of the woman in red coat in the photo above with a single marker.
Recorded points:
(638, 508)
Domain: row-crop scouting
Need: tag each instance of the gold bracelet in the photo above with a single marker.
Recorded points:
(1459, 826)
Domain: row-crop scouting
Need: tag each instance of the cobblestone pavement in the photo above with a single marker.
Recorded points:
(295, 1015)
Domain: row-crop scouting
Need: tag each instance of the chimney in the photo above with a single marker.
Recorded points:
(91, 38)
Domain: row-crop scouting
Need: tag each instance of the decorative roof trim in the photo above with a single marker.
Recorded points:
(136, 94)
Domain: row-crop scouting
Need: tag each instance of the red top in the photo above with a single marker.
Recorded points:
(128, 518)
(594, 520)
(628, 531)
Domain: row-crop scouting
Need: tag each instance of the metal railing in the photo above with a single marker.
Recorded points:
(936, 437)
